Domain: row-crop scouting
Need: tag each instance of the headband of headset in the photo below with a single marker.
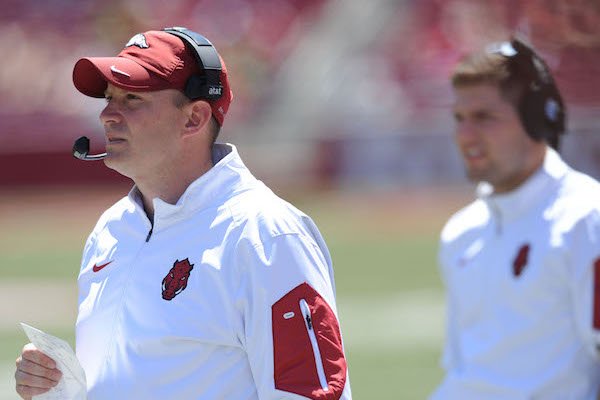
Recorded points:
(541, 107)
(208, 85)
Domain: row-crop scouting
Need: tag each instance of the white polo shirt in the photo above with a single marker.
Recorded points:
(228, 295)
(522, 273)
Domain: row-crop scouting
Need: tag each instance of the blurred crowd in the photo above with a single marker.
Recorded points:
(390, 81)
(41, 40)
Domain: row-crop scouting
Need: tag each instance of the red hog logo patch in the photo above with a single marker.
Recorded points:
(521, 260)
(176, 280)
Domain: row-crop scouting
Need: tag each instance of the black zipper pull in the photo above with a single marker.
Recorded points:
(306, 313)
(309, 322)
(149, 235)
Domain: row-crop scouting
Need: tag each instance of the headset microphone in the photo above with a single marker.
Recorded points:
(81, 148)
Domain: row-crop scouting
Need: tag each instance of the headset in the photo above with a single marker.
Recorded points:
(205, 86)
(541, 107)
(208, 85)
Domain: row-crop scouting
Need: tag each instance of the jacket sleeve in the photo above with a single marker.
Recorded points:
(291, 330)
(448, 360)
(583, 248)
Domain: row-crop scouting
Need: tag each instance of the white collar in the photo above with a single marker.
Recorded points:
(513, 204)
(227, 176)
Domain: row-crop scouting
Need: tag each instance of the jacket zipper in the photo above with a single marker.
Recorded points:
(315, 345)
(149, 235)
(497, 218)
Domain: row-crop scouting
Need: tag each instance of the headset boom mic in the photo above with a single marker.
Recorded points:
(81, 148)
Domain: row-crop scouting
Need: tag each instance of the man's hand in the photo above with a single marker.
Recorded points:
(36, 373)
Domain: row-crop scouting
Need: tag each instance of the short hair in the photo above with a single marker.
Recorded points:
(484, 67)
(180, 100)
(524, 80)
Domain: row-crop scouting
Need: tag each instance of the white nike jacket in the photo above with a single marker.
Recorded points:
(229, 294)
(522, 272)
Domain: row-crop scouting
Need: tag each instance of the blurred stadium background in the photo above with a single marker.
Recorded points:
(341, 106)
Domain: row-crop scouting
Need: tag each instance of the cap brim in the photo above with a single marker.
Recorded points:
(91, 76)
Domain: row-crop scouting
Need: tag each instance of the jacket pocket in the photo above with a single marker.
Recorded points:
(307, 346)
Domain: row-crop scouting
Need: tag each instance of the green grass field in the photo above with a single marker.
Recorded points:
(384, 247)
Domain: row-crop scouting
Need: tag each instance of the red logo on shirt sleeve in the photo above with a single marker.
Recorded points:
(307, 346)
(596, 312)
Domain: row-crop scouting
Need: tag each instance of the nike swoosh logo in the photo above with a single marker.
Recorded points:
(114, 68)
(97, 268)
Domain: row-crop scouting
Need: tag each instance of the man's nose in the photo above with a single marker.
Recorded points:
(466, 130)
(110, 113)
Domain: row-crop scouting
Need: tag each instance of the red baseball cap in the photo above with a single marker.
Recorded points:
(153, 60)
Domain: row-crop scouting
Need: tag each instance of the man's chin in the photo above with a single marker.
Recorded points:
(114, 162)
(475, 175)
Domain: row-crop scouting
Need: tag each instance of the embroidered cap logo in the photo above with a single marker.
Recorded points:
(138, 40)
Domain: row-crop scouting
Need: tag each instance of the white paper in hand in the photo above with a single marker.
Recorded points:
(72, 385)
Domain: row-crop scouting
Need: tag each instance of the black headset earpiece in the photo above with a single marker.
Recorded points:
(208, 85)
(541, 107)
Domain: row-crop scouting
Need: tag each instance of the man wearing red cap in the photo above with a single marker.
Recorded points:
(200, 283)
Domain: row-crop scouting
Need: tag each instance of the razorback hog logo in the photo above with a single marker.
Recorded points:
(521, 260)
(138, 40)
(176, 280)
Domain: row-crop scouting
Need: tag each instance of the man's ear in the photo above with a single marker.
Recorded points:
(198, 115)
